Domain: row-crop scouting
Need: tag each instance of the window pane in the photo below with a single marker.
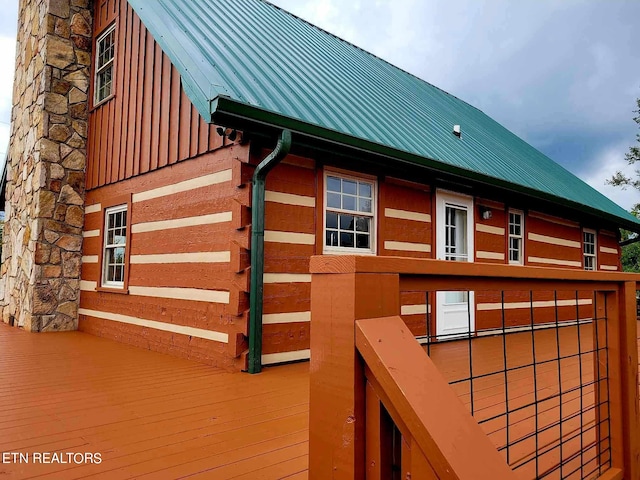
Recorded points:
(348, 203)
(332, 220)
(331, 238)
(346, 239)
(119, 255)
(362, 240)
(349, 186)
(333, 184)
(109, 237)
(364, 190)
(346, 222)
(333, 200)
(362, 224)
(364, 205)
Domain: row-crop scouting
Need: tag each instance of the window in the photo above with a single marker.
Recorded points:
(105, 48)
(349, 214)
(515, 237)
(115, 245)
(589, 249)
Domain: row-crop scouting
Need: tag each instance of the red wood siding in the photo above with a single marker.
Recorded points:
(291, 226)
(489, 245)
(178, 212)
(149, 122)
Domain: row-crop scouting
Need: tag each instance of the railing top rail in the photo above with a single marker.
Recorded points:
(416, 266)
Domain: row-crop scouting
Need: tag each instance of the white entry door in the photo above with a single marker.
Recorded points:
(455, 312)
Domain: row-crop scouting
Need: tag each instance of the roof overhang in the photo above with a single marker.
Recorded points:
(234, 114)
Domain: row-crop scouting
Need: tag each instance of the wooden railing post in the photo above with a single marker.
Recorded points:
(623, 380)
(337, 391)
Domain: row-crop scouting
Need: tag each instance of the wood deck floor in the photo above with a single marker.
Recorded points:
(149, 415)
(154, 416)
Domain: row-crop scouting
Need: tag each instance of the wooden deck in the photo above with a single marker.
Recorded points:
(148, 415)
(154, 416)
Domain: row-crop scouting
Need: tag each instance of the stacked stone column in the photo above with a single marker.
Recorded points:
(42, 244)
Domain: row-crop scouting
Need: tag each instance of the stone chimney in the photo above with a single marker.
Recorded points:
(42, 244)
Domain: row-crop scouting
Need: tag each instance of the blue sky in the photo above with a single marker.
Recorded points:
(562, 74)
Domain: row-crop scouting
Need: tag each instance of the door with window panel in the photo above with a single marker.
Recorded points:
(349, 214)
(455, 313)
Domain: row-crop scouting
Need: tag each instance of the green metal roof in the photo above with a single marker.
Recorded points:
(249, 59)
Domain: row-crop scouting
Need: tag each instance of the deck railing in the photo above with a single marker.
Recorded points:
(559, 399)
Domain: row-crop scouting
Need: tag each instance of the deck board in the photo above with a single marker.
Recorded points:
(155, 416)
(149, 415)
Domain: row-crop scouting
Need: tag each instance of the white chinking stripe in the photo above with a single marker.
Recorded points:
(554, 261)
(407, 215)
(91, 233)
(274, 236)
(286, 278)
(289, 199)
(407, 247)
(481, 227)
(414, 309)
(490, 255)
(292, 317)
(554, 240)
(181, 222)
(95, 208)
(185, 186)
(196, 257)
(167, 327)
(608, 250)
(611, 268)
(537, 304)
(88, 286)
(90, 259)
(194, 294)
(271, 358)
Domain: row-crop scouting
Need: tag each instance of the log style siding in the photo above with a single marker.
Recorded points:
(188, 268)
(290, 240)
(149, 121)
(182, 294)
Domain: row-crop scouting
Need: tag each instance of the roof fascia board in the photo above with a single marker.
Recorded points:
(231, 113)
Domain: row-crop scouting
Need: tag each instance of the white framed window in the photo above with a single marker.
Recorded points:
(115, 246)
(516, 237)
(589, 249)
(349, 214)
(105, 51)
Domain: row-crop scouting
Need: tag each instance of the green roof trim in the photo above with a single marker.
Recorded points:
(250, 61)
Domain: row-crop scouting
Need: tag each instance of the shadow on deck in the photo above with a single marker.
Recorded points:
(148, 415)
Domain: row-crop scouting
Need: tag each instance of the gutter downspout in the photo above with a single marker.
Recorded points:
(257, 248)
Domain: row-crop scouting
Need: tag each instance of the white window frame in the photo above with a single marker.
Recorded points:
(109, 64)
(327, 249)
(105, 246)
(593, 255)
(521, 236)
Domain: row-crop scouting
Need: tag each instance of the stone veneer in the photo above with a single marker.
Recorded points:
(42, 244)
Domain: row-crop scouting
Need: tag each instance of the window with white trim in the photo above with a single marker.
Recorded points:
(349, 214)
(589, 249)
(516, 243)
(105, 51)
(115, 245)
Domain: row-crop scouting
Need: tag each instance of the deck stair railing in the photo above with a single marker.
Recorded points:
(384, 406)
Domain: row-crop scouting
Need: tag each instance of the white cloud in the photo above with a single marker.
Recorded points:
(607, 164)
(7, 60)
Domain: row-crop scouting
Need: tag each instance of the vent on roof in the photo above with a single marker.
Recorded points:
(456, 131)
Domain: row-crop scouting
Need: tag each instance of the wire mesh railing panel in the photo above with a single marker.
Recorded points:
(532, 368)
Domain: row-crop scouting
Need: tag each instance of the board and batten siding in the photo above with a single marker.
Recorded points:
(149, 122)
